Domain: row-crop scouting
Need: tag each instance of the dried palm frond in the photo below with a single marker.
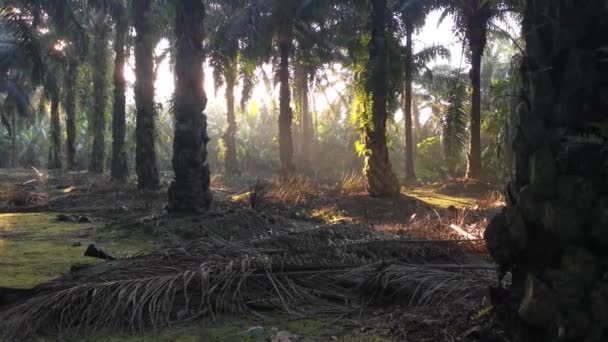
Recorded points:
(322, 271)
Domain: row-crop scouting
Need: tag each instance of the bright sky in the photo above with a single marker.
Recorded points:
(432, 33)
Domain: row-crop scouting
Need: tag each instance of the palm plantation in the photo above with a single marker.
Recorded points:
(305, 170)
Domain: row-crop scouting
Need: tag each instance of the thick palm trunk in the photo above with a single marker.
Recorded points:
(381, 181)
(285, 111)
(100, 66)
(553, 234)
(410, 175)
(145, 152)
(190, 192)
(120, 170)
(474, 155)
(229, 138)
(477, 38)
(70, 114)
(54, 161)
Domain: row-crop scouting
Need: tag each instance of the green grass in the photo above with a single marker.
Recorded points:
(35, 248)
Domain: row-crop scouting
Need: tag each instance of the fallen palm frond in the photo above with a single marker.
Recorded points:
(323, 271)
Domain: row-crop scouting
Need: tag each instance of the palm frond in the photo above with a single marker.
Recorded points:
(454, 132)
(323, 271)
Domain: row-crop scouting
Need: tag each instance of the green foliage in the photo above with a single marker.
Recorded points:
(455, 122)
(430, 165)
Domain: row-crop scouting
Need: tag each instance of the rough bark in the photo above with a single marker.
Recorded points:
(410, 175)
(229, 138)
(553, 234)
(189, 192)
(145, 152)
(285, 110)
(70, 114)
(381, 181)
(477, 38)
(100, 47)
(54, 161)
(120, 170)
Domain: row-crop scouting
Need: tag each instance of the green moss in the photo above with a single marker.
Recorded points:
(35, 248)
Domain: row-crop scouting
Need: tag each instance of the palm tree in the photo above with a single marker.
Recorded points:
(101, 29)
(381, 180)
(145, 153)
(120, 170)
(224, 58)
(189, 192)
(284, 11)
(472, 19)
(54, 159)
(70, 112)
(552, 235)
(413, 15)
(281, 26)
(29, 61)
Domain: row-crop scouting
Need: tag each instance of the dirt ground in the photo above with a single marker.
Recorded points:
(47, 220)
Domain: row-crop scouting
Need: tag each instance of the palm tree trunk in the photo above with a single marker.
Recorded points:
(285, 111)
(477, 42)
(54, 161)
(190, 192)
(410, 175)
(229, 137)
(120, 170)
(308, 138)
(553, 234)
(99, 95)
(381, 181)
(70, 114)
(13, 157)
(145, 152)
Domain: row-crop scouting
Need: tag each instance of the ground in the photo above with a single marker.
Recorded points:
(38, 245)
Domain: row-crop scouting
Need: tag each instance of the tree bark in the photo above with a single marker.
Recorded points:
(13, 157)
(145, 152)
(70, 114)
(100, 47)
(120, 170)
(285, 111)
(190, 192)
(410, 175)
(229, 138)
(477, 37)
(54, 161)
(308, 138)
(381, 181)
(553, 234)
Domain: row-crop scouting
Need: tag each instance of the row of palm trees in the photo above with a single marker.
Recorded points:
(187, 192)
(296, 35)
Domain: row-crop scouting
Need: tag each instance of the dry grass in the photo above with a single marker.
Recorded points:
(351, 184)
(453, 224)
(323, 271)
